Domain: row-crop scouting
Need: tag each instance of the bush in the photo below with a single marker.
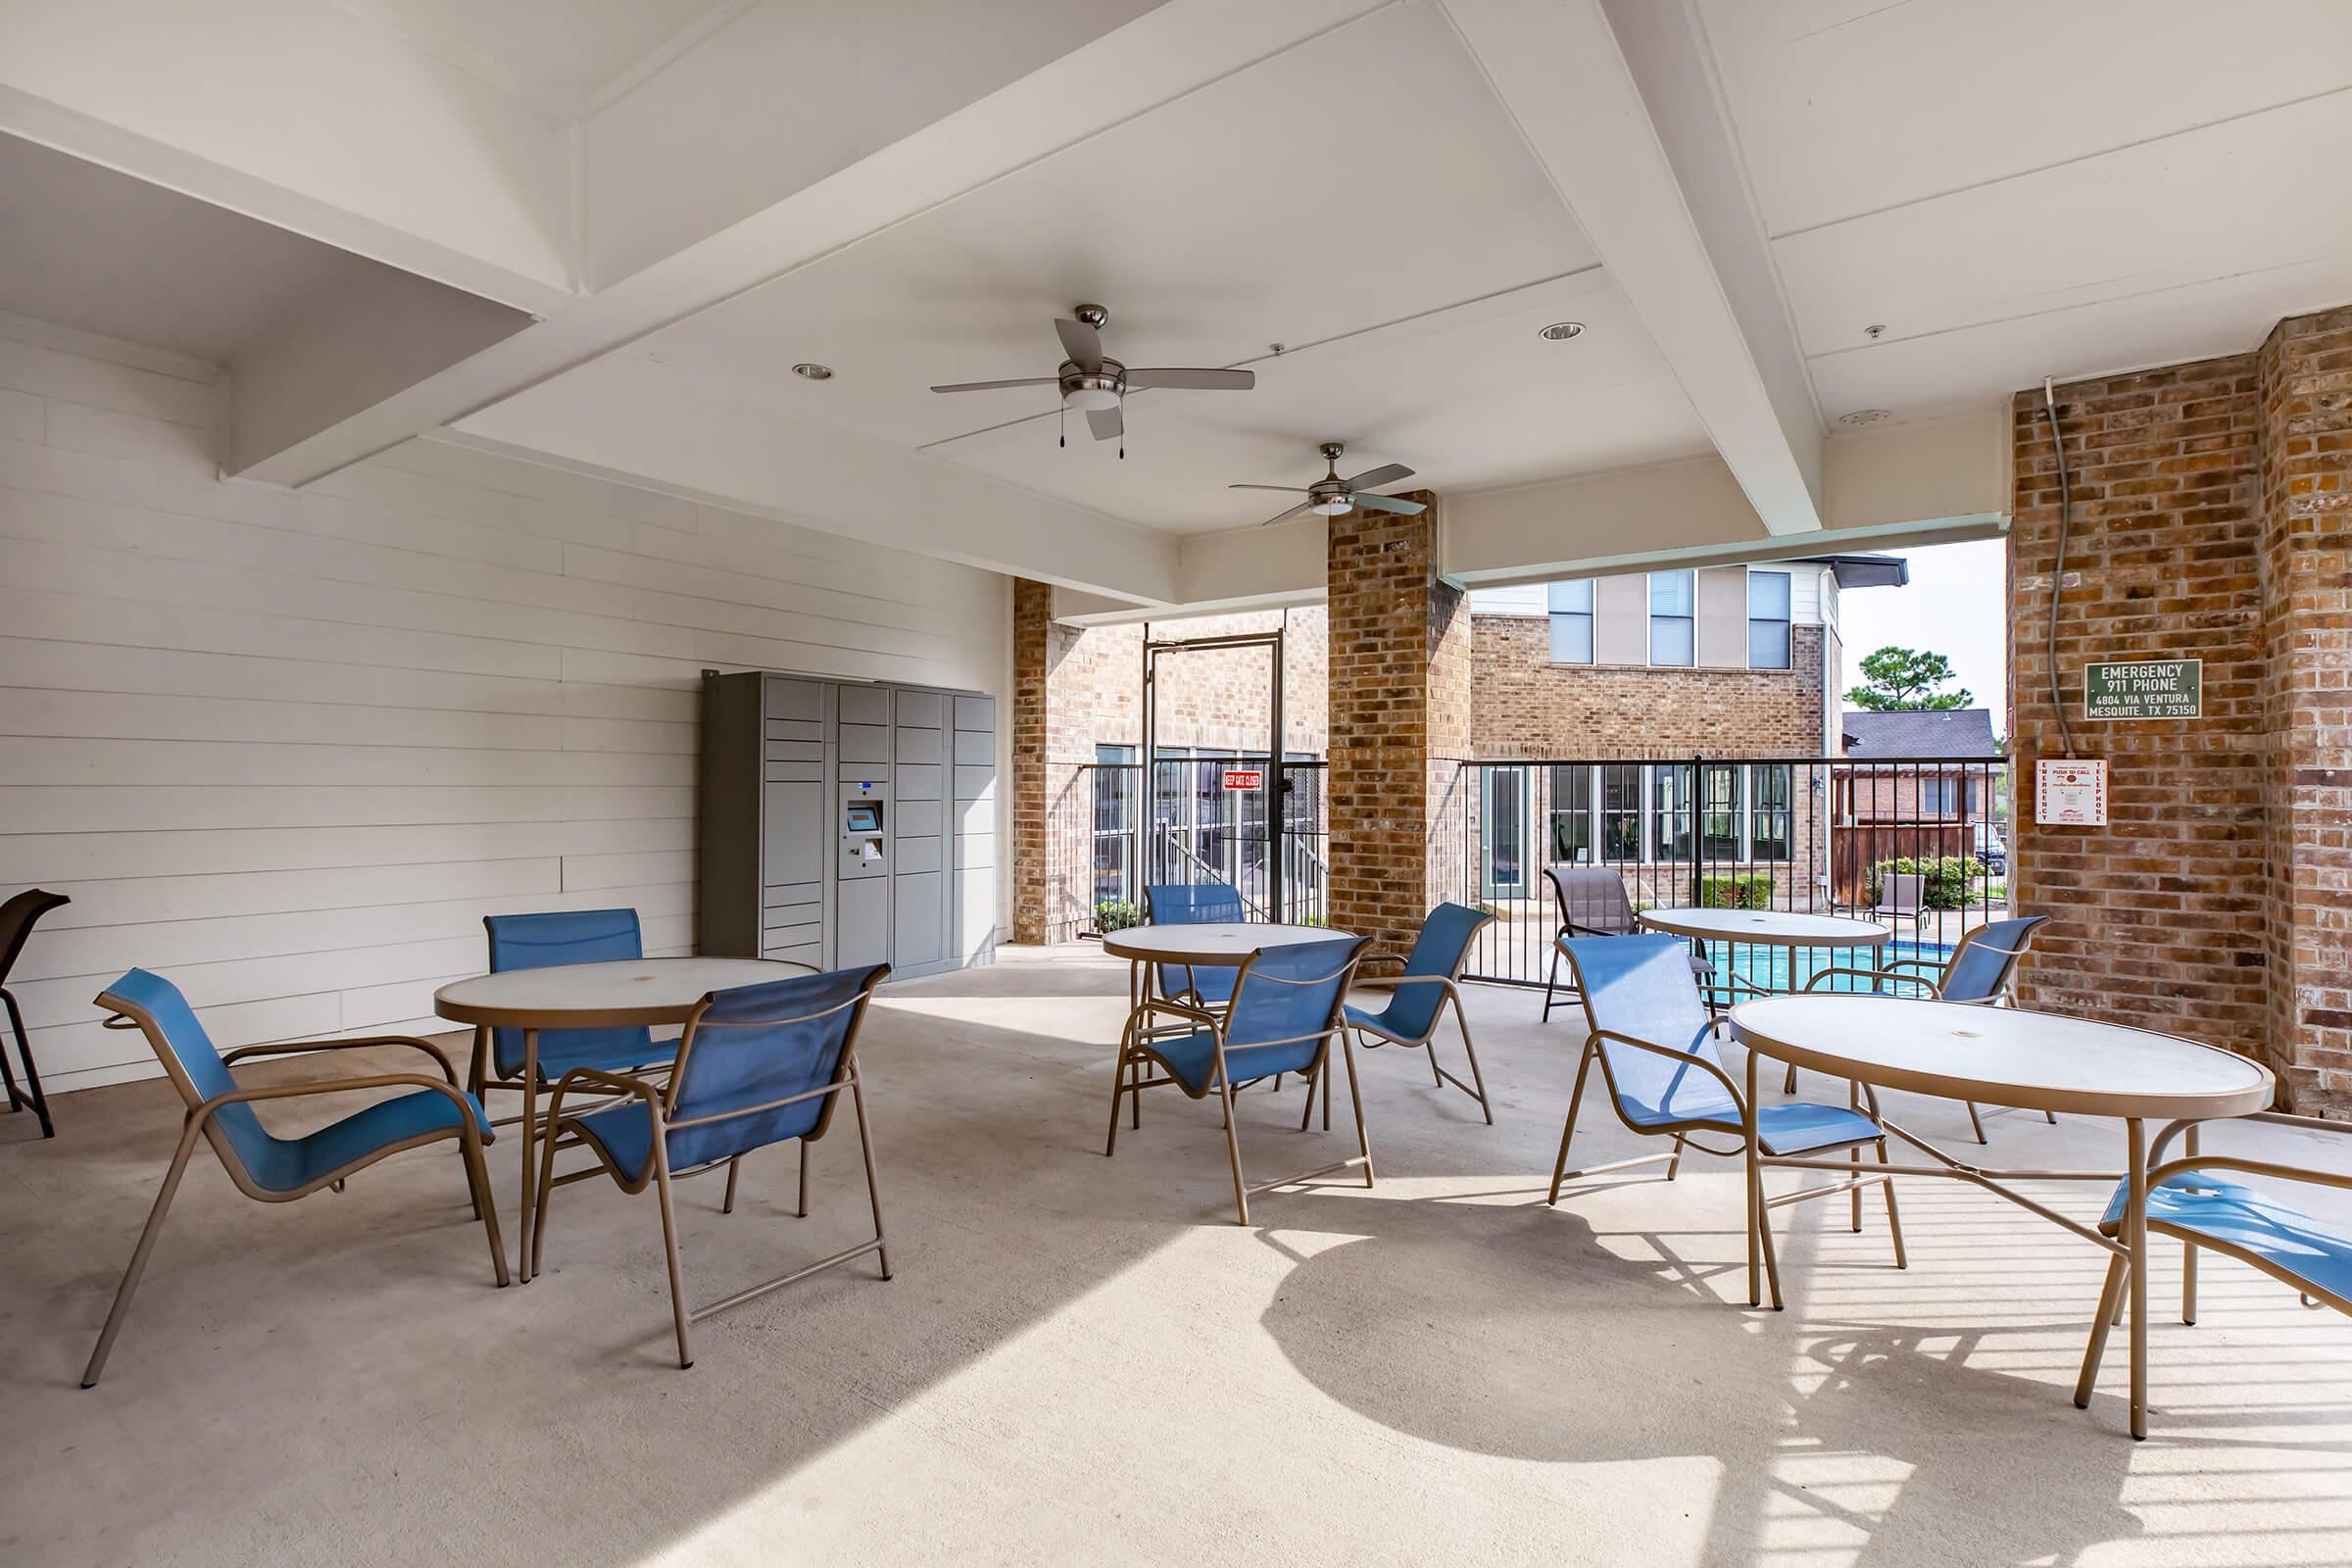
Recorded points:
(1943, 883)
(1116, 915)
(1743, 890)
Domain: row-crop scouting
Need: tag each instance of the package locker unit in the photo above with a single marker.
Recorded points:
(847, 824)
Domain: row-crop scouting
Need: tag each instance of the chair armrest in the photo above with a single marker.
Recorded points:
(2250, 1168)
(1397, 958)
(603, 1082)
(1871, 974)
(335, 1086)
(298, 1047)
(1672, 1053)
(1198, 1015)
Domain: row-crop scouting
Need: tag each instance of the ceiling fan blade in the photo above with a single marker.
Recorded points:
(1285, 516)
(1287, 489)
(1106, 422)
(1192, 380)
(1411, 508)
(991, 386)
(1081, 342)
(1374, 478)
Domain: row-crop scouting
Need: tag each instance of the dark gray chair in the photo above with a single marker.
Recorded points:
(17, 918)
(1592, 902)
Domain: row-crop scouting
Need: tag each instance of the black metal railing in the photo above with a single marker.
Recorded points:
(1827, 835)
(1178, 822)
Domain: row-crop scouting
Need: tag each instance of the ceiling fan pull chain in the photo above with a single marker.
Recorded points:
(1064, 439)
(1123, 427)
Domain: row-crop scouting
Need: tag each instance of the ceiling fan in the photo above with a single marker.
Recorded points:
(1097, 385)
(1333, 496)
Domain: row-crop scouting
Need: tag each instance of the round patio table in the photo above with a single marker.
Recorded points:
(622, 993)
(1767, 928)
(2002, 1056)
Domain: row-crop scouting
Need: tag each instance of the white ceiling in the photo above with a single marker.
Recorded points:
(560, 54)
(83, 247)
(2014, 189)
(1404, 245)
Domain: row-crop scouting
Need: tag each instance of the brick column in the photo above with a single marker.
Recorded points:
(1399, 724)
(1032, 639)
(2305, 560)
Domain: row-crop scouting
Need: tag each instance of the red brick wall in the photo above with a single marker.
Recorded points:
(1400, 721)
(1032, 638)
(1529, 707)
(2157, 919)
(2304, 433)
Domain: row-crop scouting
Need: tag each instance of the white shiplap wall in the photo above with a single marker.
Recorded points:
(287, 749)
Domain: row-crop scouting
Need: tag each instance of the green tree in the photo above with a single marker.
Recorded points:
(1899, 679)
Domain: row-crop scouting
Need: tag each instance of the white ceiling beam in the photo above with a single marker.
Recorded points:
(1617, 100)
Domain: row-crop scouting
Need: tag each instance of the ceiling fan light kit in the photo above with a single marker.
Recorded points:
(1097, 385)
(1333, 497)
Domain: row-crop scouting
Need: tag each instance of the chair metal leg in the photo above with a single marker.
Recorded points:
(7, 1079)
(670, 1248)
(873, 1187)
(1674, 1165)
(1975, 1121)
(735, 1169)
(803, 1208)
(34, 1095)
(1759, 1217)
(1552, 981)
(2188, 1281)
(485, 1208)
(1461, 1021)
(2111, 1300)
(1306, 1112)
(1789, 1086)
(1856, 1194)
(138, 1255)
(1576, 1098)
(1233, 1145)
(1363, 1135)
(535, 1247)
(1118, 1085)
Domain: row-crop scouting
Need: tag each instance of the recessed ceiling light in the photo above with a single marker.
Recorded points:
(1866, 416)
(1562, 331)
(813, 372)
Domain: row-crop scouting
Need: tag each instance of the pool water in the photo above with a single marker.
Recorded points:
(1768, 969)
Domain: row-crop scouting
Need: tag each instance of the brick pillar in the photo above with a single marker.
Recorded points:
(1400, 695)
(1032, 640)
(2305, 378)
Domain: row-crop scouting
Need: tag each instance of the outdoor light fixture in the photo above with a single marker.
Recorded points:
(812, 372)
(1090, 391)
(1562, 331)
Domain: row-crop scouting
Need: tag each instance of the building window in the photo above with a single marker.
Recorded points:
(1571, 815)
(1670, 811)
(1719, 813)
(1620, 812)
(1673, 618)
(1116, 783)
(1770, 835)
(1571, 605)
(1768, 620)
(1939, 795)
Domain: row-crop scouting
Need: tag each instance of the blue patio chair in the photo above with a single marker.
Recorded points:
(1979, 972)
(1286, 1009)
(1195, 903)
(527, 1060)
(273, 1169)
(1654, 1041)
(1428, 984)
(758, 1065)
(2192, 1200)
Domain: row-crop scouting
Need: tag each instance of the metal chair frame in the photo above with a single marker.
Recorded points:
(1372, 1037)
(202, 1119)
(1759, 1206)
(36, 901)
(2003, 995)
(1137, 1057)
(661, 1102)
(2119, 1270)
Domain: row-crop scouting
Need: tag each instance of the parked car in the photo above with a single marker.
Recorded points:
(1990, 847)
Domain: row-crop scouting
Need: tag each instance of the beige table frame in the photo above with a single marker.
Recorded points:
(2134, 1108)
(462, 1001)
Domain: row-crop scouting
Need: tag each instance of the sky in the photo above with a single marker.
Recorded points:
(1955, 605)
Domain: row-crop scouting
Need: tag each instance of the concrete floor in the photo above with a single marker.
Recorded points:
(1084, 1360)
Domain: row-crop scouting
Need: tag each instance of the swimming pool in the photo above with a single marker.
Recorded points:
(1768, 969)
